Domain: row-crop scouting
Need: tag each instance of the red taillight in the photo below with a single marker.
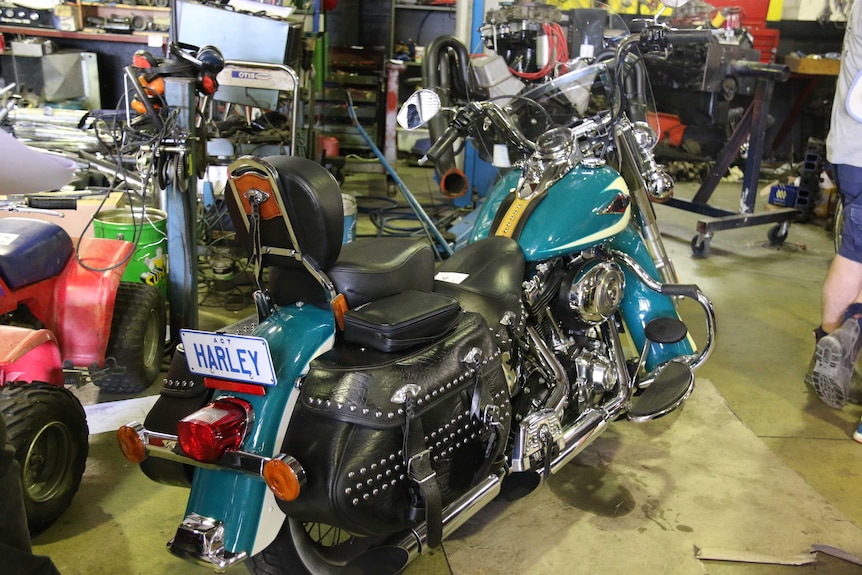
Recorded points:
(220, 426)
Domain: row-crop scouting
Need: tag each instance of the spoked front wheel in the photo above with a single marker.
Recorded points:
(314, 549)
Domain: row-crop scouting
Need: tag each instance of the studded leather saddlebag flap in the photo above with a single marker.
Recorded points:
(352, 435)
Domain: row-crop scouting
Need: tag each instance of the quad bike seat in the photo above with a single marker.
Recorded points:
(31, 250)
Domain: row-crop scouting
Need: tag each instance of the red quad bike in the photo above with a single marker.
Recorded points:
(66, 316)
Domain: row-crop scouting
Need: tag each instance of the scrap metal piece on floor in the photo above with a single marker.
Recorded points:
(836, 552)
(751, 126)
(743, 556)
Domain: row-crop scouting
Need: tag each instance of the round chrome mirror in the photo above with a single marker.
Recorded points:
(420, 107)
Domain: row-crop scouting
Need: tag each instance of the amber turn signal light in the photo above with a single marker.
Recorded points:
(131, 444)
(284, 476)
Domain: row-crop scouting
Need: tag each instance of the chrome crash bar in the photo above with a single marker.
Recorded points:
(670, 289)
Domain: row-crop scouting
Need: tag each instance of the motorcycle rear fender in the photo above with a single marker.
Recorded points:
(242, 502)
(29, 355)
(641, 304)
(83, 305)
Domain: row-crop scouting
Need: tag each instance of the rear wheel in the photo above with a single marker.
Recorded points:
(308, 549)
(137, 342)
(48, 428)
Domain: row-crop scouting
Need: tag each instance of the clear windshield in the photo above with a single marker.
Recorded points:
(582, 86)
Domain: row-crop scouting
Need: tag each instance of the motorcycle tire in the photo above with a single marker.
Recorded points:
(47, 427)
(137, 342)
(308, 549)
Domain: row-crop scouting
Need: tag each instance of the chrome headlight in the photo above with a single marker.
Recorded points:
(596, 291)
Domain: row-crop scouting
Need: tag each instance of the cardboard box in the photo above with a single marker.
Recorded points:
(32, 47)
(813, 65)
(66, 18)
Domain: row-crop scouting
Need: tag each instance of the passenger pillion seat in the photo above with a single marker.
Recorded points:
(288, 213)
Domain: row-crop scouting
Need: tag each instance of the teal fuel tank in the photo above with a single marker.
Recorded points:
(585, 207)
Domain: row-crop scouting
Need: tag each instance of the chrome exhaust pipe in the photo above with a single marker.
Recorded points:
(401, 550)
(579, 437)
(455, 515)
(593, 422)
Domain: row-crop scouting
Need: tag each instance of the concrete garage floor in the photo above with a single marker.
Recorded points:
(754, 463)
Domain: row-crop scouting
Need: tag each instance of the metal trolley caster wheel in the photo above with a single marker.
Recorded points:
(700, 245)
(777, 234)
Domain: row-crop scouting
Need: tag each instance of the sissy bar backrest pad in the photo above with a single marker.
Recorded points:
(299, 217)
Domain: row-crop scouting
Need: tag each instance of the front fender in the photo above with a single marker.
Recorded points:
(242, 502)
(29, 355)
(641, 304)
(84, 298)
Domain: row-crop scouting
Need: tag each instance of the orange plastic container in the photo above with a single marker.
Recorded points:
(667, 126)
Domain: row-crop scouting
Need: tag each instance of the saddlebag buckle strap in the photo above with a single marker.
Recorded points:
(418, 459)
(419, 467)
(420, 472)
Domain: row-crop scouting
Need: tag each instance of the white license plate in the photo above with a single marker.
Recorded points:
(235, 357)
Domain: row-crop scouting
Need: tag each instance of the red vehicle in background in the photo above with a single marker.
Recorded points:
(66, 318)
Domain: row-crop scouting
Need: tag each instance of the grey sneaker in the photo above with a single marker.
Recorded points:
(834, 358)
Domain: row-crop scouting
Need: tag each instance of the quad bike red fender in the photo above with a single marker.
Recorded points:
(29, 355)
(84, 299)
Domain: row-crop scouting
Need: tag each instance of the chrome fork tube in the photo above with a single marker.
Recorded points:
(646, 214)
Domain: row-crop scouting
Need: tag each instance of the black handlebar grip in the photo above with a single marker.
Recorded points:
(687, 290)
(689, 36)
(48, 203)
(443, 142)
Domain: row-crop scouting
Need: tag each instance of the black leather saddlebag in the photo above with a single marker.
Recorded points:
(373, 469)
(401, 321)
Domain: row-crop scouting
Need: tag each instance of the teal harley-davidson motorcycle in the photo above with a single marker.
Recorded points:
(377, 400)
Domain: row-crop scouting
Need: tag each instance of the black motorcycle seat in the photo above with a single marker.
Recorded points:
(488, 275)
(31, 250)
(369, 269)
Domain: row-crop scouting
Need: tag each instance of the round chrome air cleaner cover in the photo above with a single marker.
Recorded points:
(597, 291)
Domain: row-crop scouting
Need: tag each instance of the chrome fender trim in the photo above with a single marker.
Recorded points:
(201, 540)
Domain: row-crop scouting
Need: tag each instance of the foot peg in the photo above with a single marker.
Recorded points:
(669, 389)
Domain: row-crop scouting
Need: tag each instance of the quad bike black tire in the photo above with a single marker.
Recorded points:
(137, 343)
(48, 428)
